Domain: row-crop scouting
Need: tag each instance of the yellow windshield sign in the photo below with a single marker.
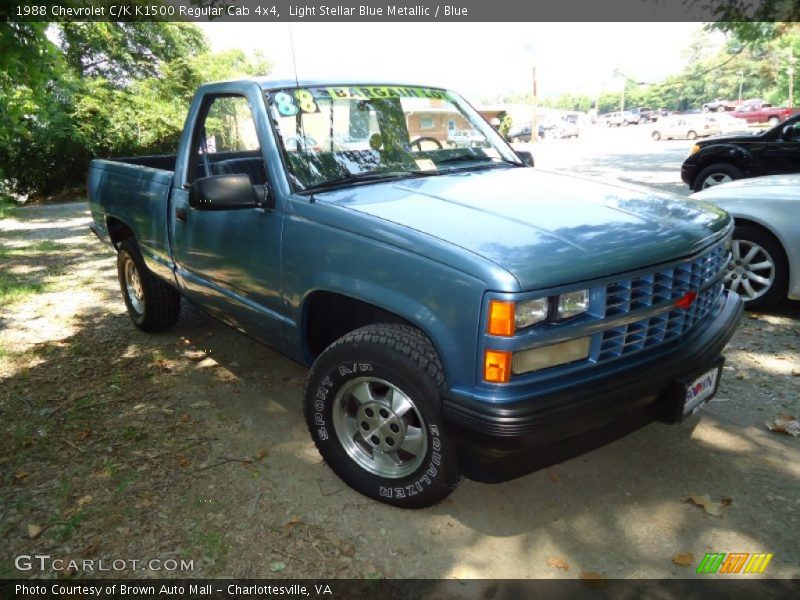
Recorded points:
(380, 92)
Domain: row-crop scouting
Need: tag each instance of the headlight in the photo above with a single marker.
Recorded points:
(572, 304)
(531, 312)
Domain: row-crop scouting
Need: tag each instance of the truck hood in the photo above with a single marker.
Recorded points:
(546, 229)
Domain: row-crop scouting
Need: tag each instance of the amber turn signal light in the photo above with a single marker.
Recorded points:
(497, 366)
(501, 318)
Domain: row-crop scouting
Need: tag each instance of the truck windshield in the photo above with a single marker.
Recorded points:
(334, 136)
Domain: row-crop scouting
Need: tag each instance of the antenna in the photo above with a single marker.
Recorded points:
(298, 118)
(294, 58)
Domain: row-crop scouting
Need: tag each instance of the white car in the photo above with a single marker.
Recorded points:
(766, 242)
(465, 138)
(689, 127)
(728, 124)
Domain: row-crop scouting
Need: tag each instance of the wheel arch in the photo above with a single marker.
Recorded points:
(118, 230)
(326, 315)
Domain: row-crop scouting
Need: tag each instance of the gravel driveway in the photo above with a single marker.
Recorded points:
(191, 446)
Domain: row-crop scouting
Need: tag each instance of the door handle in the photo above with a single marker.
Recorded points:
(180, 214)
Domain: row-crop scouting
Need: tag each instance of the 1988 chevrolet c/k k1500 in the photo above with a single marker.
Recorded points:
(461, 312)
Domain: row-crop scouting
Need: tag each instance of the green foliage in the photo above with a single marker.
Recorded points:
(105, 89)
(505, 125)
(757, 55)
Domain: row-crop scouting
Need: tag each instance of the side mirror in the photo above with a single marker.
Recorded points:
(525, 157)
(790, 132)
(223, 192)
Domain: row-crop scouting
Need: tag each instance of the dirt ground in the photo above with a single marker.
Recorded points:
(190, 445)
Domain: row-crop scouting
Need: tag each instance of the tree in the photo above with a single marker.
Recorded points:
(104, 89)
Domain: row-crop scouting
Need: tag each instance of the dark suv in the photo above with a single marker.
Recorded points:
(725, 158)
(645, 114)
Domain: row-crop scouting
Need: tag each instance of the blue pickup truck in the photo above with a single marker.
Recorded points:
(462, 314)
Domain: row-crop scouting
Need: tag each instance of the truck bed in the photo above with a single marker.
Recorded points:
(134, 191)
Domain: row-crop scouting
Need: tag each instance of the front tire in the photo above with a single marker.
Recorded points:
(692, 135)
(758, 271)
(714, 175)
(372, 407)
(153, 305)
(656, 135)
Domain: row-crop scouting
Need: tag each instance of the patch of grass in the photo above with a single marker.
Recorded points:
(63, 530)
(16, 289)
(7, 207)
(212, 545)
(37, 247)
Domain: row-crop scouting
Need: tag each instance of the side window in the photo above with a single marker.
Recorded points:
(226, 141)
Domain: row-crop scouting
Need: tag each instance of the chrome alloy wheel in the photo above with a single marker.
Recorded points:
(751, 271)
(379, 427)
(133, 286)
(716, 179)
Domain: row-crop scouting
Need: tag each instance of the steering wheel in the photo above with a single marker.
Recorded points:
(418, 143)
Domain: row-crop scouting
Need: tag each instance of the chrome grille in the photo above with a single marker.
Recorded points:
(655, 289)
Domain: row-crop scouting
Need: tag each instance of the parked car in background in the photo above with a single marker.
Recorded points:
(465, 138)
(765, 266)
(645, 115)
(612, 119)
(720, 105)
(762, 112)
(688, 127)
(723, 159)
(729, 124)
(567, 127)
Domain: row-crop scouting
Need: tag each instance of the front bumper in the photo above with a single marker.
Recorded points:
(501, 441)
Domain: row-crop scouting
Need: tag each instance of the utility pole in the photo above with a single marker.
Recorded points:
(790, 71)
(534, 120)
(741, 81)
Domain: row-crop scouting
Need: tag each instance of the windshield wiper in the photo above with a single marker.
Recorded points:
(368, 177)
(492, 160)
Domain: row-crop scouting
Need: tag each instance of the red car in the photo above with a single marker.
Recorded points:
(763, 113)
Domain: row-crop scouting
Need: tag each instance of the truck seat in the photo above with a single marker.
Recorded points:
(254, 167)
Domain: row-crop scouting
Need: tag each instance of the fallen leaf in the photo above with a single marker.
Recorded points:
(183, 462)
(683, 560)
(557, 563)
(347, 549)
(85, 434)
(34, 531)
(185, 418)
(334, 539)
(261, 454)
(593, 581)
(710, 506)
(277, 567)
(84, 500)
(785, 423)
(19, 477)
(553, 476)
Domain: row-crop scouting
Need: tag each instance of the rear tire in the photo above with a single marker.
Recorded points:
(372, 407)
(692, 135)
(773, 121)
(153, 305)
(714, 175)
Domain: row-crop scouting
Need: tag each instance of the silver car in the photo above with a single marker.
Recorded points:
(688, 127)
(766, 242)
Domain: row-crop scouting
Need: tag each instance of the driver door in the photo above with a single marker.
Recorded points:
(229, 261)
